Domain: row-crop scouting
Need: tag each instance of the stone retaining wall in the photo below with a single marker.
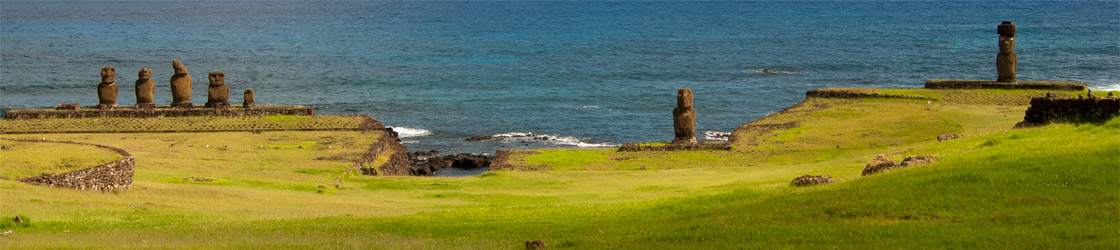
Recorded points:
(113, 176)
(1045, 110)
(982, 84)
(386, 143)
(158, 112)
(837, 93)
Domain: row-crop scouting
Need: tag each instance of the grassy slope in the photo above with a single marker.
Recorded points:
(1050, 186)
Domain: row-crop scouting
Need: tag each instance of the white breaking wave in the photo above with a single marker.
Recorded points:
(560, 140)
(596, 145)
(1114, 87)
(404, 132)
(716, 135)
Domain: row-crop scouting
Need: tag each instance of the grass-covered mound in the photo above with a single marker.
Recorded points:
(29, 159)
(1045, 187)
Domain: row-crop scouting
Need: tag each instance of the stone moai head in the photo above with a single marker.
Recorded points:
(217, 78)
(1006, 44)
(108, 74)
(144, 74)
(179, 68)
(684, 97)
(1006, 32)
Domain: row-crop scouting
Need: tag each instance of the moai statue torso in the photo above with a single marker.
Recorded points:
(145, 89)
(684, 118)
(218, 93)
(180, 86)
(107, 89)
(1006, 61)
(249, 102)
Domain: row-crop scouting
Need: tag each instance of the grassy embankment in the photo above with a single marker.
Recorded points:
(1051, 186)
(28, 159)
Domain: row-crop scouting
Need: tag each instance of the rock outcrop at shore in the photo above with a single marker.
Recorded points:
(430, 163)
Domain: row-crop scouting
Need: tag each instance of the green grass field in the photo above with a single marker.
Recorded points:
(1044, 187)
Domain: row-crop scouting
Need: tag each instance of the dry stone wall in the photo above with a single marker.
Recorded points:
(1045, 110)
(113, 176)
(387, 143)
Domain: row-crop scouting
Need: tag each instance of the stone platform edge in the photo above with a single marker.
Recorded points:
(984, 84)
(15, 114)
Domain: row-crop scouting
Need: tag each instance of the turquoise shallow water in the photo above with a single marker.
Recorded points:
(588, 73)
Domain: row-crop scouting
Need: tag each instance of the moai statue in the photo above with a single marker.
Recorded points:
(218, 94)
(145, 89)
(107, 90)
(1006, 60)
(180, 86)
(249, 103)
(684, 118)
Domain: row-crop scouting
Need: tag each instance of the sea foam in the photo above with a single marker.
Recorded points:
(716, 135)
(550, 139)
(404, 132)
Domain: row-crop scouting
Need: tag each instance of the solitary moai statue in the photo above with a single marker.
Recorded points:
(218, 93)
(107, 89)
(1006, 61)
(249, 103)
(180, 86)
(145, 89)
(684, 118)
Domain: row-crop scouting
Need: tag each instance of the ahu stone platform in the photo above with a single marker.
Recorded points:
(983, 84)
(157, 112)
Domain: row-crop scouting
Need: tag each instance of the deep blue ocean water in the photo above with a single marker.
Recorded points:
(589, 72)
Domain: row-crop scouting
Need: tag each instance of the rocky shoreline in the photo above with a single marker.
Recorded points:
(431, 162)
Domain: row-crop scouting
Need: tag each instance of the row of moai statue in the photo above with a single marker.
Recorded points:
(181, 84)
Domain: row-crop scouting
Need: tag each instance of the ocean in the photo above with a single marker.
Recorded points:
(582, 73)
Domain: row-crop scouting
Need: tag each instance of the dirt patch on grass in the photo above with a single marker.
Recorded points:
(513, 160)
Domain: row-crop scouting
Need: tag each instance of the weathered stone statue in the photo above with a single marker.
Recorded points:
(684, 118)
(249, 103)
(107, 90)
(145, 89)
(180, 86)
(1006, 61)
(218, 93)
